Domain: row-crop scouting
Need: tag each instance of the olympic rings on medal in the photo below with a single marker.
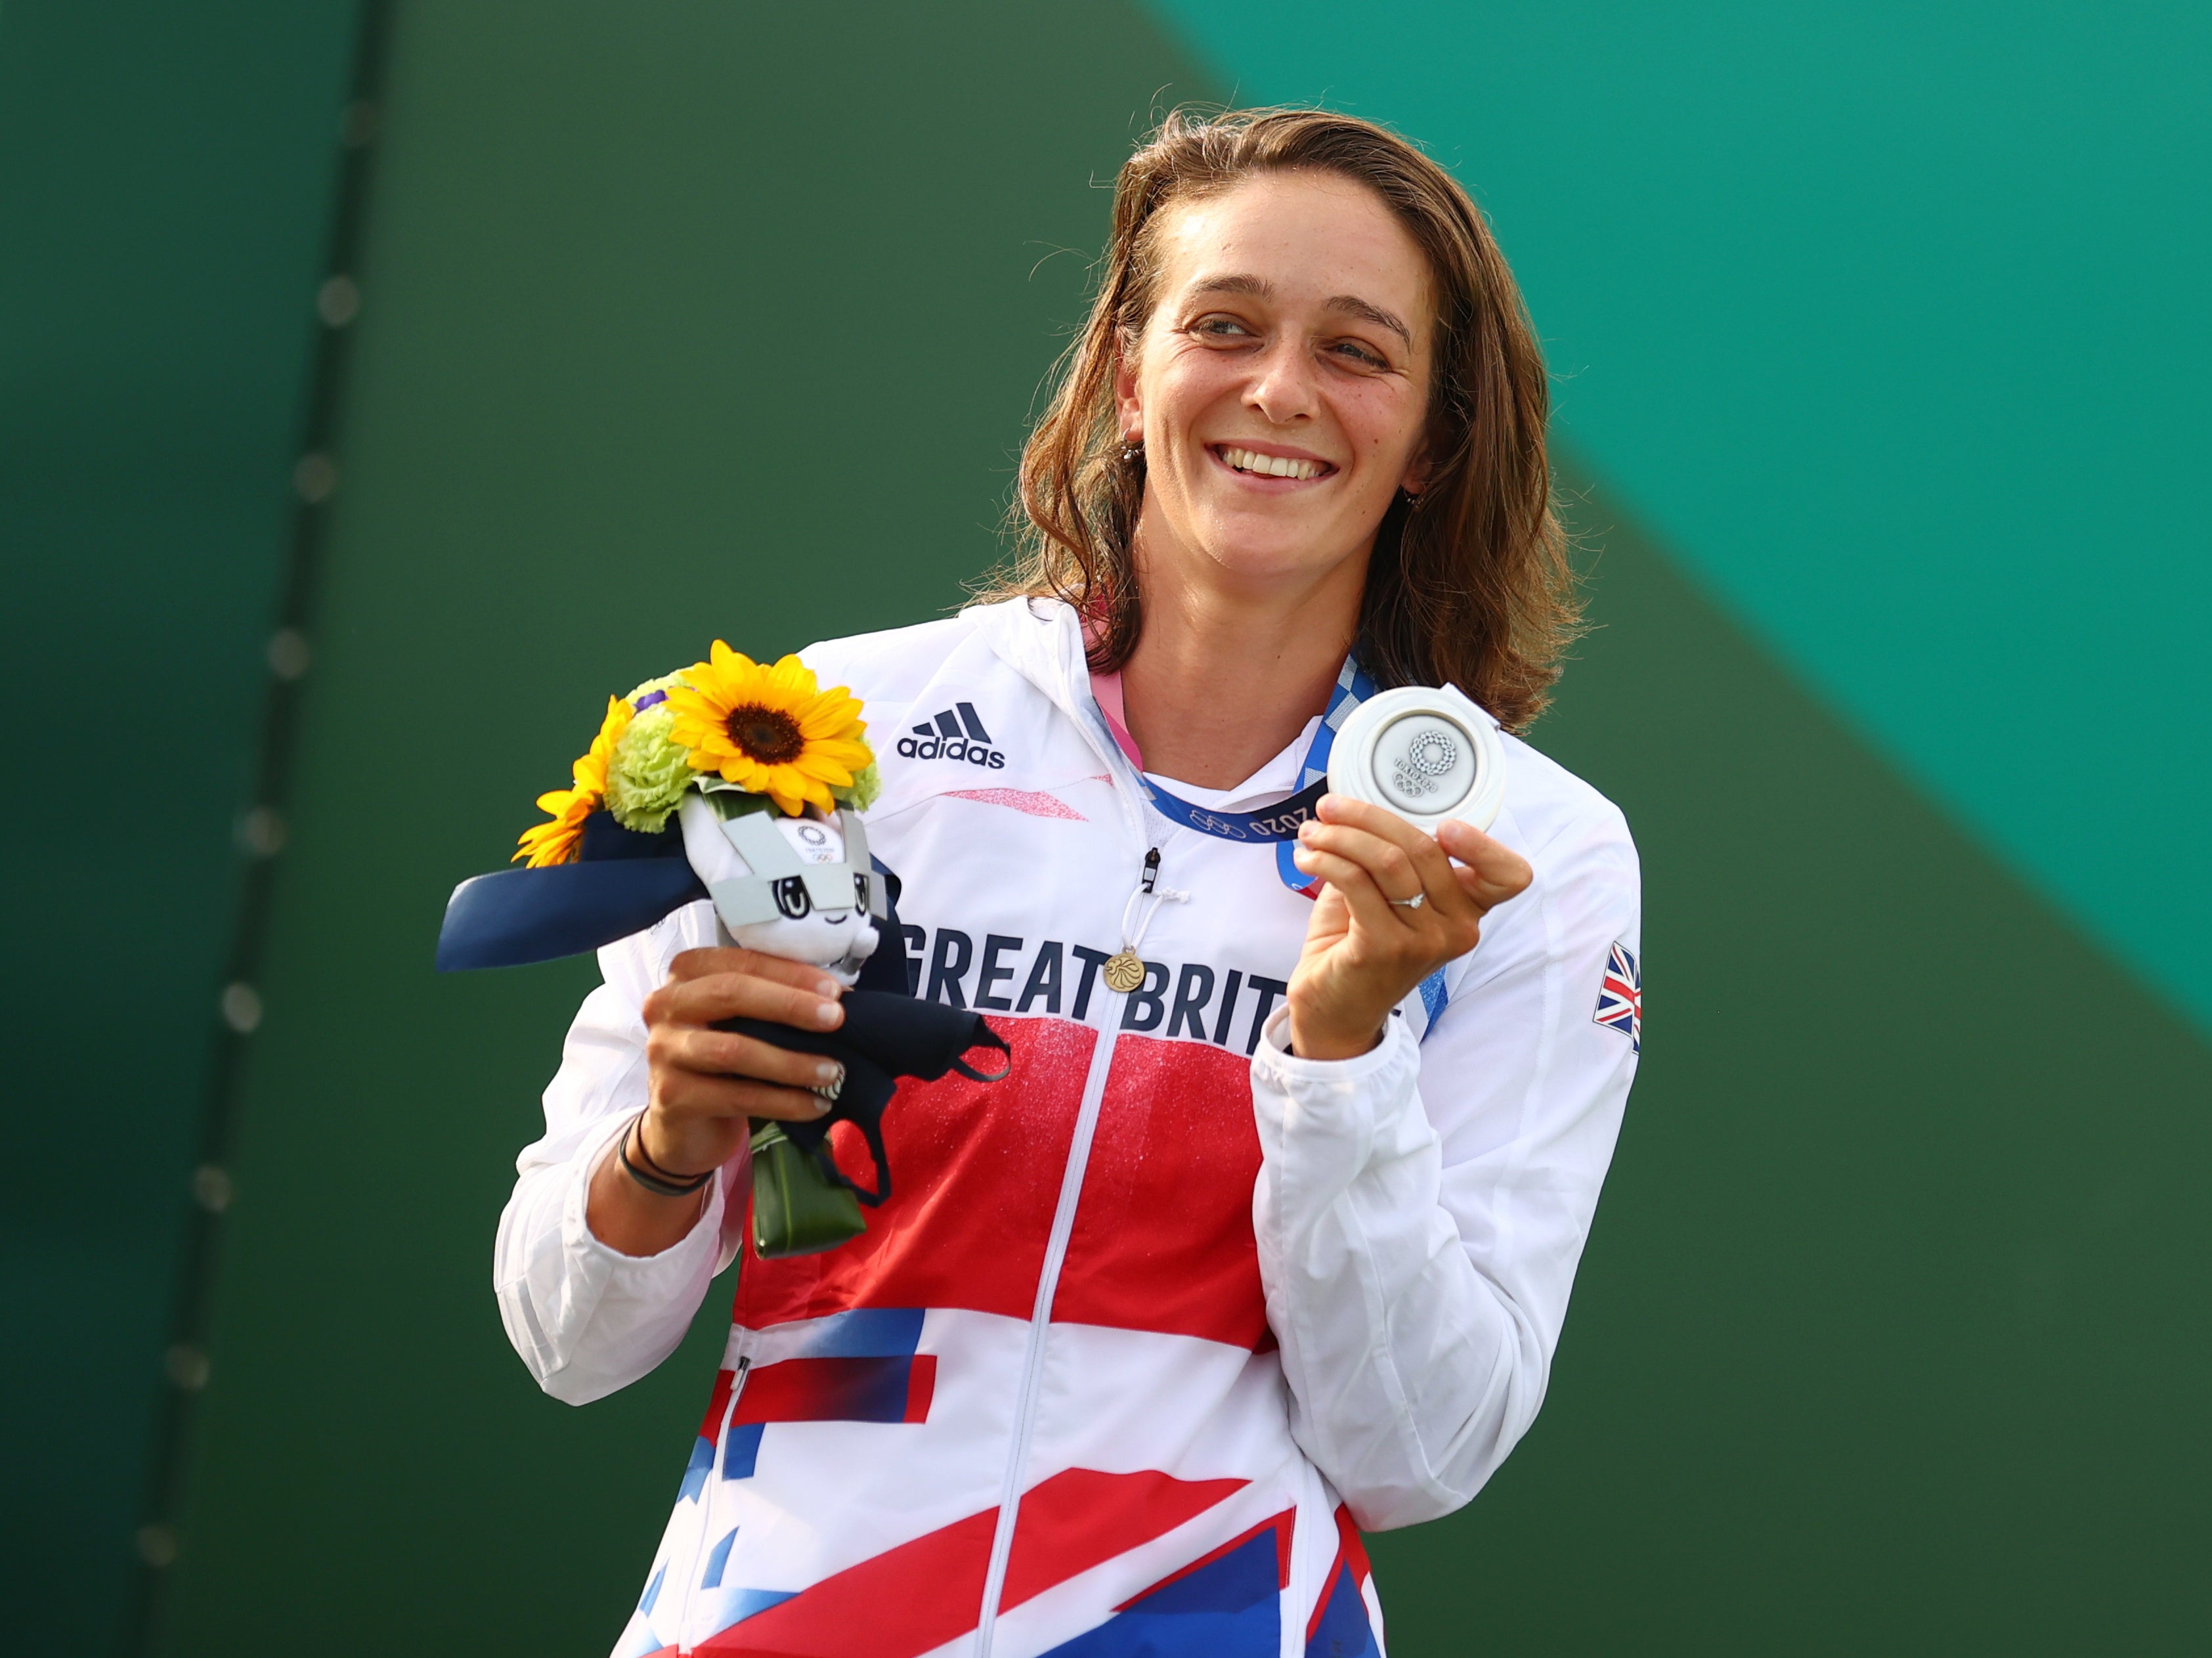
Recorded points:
(1427, 755)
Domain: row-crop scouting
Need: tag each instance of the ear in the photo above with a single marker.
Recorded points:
(1414, 481)
(1129, 406)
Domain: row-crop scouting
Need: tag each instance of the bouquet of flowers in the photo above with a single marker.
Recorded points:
(727, 724)
(742, 783)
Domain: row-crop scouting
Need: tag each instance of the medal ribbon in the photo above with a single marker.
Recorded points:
(1279, 823)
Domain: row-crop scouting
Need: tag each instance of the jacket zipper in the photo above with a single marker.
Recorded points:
(1063, 1224)
(1063, 1217)
(699, 1547)
(1055, 1254)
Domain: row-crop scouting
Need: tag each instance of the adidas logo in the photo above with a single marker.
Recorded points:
(957, 735)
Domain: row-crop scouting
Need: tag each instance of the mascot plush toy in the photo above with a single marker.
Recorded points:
(741, 784)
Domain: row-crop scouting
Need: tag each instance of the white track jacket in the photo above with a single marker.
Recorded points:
(1149, 1331)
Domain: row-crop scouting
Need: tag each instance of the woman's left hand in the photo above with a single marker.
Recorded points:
(1366, 948)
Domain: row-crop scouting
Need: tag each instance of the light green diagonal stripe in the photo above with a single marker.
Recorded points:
(1890, 319)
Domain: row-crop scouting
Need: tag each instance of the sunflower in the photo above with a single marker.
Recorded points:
(769, 730)
(557, 842)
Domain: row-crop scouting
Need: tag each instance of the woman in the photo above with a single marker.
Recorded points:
(1275, 1243)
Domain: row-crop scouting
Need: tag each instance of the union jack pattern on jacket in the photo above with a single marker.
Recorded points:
(1150, 1330)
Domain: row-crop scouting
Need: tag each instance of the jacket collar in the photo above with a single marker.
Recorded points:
(1041, 640)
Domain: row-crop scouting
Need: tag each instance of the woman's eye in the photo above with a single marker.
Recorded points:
(1221, 328)
(1359, 353)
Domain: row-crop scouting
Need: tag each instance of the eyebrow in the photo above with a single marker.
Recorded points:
(1350, 305)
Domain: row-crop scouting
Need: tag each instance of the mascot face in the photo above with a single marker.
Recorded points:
(835, 939)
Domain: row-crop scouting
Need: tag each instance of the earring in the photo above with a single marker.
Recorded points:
(1133, 451)
(1412, 499)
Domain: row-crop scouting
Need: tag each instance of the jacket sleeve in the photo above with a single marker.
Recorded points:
(586, 1319)
(1421, 1209)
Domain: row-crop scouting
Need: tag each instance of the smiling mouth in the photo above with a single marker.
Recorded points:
(1254, 464)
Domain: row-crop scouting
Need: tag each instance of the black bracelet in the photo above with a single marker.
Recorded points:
(656, 1182)
(653, 1164)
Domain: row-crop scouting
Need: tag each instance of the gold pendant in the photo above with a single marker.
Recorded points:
(1124, 972)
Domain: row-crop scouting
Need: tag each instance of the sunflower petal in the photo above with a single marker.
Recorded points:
(852, 757)
(824, 719)
(792, 676)
(817, 765)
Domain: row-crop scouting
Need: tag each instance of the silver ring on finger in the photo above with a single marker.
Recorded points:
(1413, 902)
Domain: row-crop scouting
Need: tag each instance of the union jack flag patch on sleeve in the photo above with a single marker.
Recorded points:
(1620, 998)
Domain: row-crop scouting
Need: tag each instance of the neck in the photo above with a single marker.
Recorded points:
(1228, 670)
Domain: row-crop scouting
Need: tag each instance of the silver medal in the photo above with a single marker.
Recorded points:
(1426, 754)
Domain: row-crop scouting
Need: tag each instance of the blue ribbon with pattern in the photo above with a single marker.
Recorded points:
(1279, 823)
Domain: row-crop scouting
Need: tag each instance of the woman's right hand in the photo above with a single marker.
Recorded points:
(706, 1084)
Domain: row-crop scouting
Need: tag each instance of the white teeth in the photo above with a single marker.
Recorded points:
(1280, 466)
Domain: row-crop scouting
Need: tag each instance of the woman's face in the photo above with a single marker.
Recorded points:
(1282, 383)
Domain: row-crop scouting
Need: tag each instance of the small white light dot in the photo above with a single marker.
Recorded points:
(337, 301)
(261, 833)
(288, 653)
(186, 1366)
(316, 477)
(242, 1008)
(213, 1189)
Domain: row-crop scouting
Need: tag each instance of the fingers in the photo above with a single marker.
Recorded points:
(1499, 871)
(709, 963)
(1370, 854)
(1404, 863)
(707, 986)
(701, 1076)
(726, 1053)
(1370, 905)
(1491, 871)
(691, 1099)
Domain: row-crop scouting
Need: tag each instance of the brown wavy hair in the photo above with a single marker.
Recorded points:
(1472, 587)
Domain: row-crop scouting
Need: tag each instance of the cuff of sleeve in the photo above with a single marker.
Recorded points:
(674, 1261)
(1274, 1065)
(1322, 1119)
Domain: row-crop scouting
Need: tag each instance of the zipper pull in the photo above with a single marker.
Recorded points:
(1151, 868)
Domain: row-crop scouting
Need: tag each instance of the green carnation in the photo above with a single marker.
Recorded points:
(868, 783)
(650, 771)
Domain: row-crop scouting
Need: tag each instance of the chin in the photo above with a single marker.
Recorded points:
(1259, 546)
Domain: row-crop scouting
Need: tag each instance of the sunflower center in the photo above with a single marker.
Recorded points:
(767, 737)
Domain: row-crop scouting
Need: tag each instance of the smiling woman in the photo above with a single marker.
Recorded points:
(1268, 1233)
(1434, 384)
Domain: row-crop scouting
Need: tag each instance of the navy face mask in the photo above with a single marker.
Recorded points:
(624, 882)
(886, 1037)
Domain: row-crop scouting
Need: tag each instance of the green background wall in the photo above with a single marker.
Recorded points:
(708, 318)
(166, 175)
(1889, 317)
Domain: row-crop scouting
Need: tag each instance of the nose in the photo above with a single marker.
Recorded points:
(1283, 391)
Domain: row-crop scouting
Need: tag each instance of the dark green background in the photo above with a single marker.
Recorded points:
(165, 177)
(707, 318)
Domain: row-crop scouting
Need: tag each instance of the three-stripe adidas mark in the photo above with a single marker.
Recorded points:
(957, 734)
